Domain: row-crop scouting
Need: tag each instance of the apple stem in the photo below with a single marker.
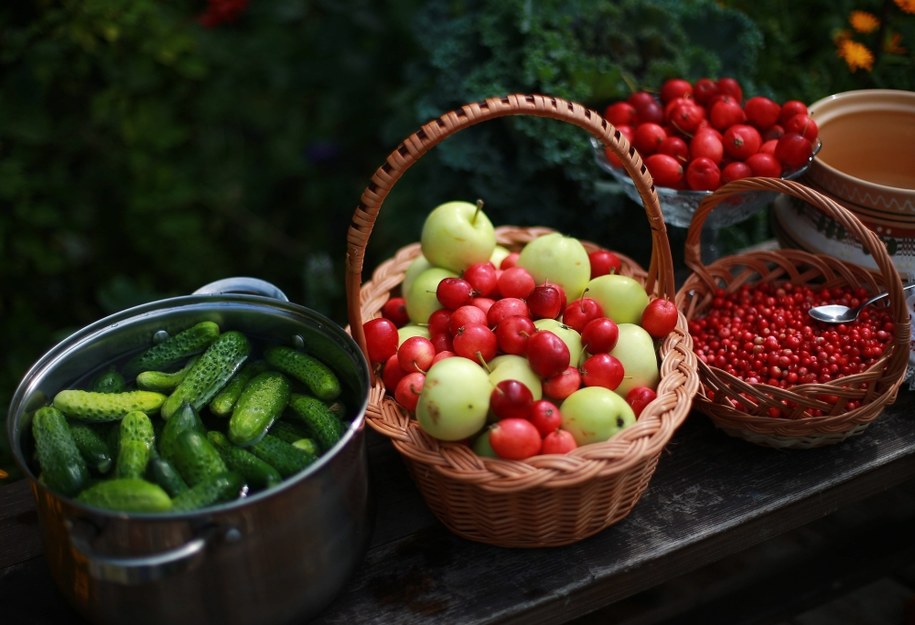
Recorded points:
(477, 212)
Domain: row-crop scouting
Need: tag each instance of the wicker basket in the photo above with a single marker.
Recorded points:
(874, 388)
(547, 500)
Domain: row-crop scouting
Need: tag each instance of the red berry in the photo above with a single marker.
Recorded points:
(660, 317)
(666, 171)
(454, 292)
(793, 150)
(604, 262)
(702, 174)
(764, 164)
(741, 141)
(547, 354)
(731, 87)
(762, 112)
(511, 399)
(558, 442)
(600, 335)
(602, 370)
(545, 416)
(395, 309)
(516, 282)
(381, 339)
(620, 113)
(408, 389)
(647, 137)
(515, 439)
(674, 88)
(639, 397)
(476, 342)
(562, 384)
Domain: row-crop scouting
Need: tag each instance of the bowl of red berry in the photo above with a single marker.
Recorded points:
(695, 136)
(770, 372)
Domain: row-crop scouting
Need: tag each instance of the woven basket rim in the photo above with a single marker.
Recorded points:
(879, 383)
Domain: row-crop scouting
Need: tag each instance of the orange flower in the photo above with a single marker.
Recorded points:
(863, 21)
(893, 44)
(856, 56)
(907, 6)
(841, 35)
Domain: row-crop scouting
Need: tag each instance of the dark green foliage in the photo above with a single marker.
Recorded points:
(143, 155)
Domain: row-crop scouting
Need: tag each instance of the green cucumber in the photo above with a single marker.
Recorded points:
(210, 373)
(92, 445)
(222, 404)
(62, 466)
(176, 348)
(135, 445)
(256, 472)
(324, 425)
(285, 458)
(308, 445)
(288, 431)
(98, 407)
(185, 418)
(261, 402)
(212, 490)
(127, 494)
(110, 381)
(196, 458)
(164, 381)
(164, 473)
(320, 380)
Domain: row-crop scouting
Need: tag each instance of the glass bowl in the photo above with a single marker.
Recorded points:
(678, 206)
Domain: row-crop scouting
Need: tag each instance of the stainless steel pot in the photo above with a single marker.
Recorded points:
(274, 557)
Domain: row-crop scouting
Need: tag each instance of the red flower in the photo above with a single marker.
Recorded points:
(221, 12)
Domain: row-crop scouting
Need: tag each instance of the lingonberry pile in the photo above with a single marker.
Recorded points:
(762, 334)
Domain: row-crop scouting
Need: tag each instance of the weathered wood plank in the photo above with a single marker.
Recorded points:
(711, 497)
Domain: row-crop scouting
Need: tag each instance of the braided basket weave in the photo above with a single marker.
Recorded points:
(874, 388)
(546, 500)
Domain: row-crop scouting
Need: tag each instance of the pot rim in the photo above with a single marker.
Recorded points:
(203, 302)
(844, 103)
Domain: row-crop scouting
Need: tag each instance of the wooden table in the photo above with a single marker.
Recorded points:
(712, 496)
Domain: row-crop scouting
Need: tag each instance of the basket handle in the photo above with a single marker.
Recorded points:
(825, 204)
(660, 277)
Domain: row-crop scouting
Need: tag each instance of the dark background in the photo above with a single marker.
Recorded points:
(150, 147)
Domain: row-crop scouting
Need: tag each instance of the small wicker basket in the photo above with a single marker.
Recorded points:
(874, 388)
(547, 500)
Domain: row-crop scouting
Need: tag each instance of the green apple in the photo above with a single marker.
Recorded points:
(419, 265)
(635, 349)
(482, 447)
(456, 235)
(514, 367)
(421, 300)
(411, 329)
(593, 414)
(498, 255)
(454, 401)
(622, 298)
(560, 259)
(568, 334)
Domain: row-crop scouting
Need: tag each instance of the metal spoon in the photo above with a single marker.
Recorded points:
(837, 313)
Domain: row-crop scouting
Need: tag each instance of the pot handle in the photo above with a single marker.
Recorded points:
(131, 571)
(242, 284)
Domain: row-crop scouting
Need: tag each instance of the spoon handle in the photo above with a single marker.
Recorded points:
(880, 296)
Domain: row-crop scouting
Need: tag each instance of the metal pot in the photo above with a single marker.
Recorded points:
(279, 555)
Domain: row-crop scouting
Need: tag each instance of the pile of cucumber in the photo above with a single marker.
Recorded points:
(197, 419)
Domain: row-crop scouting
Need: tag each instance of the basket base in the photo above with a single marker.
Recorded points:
(541, 516)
